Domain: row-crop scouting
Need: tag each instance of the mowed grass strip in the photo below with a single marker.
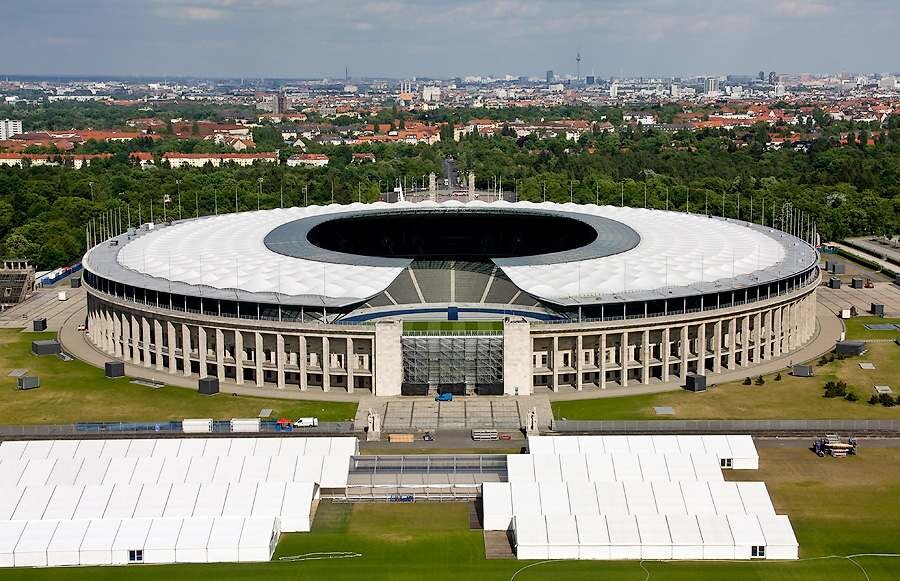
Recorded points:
(837, 507)
(790, 398)
(856, 328)
(73, 391)
(452, 326)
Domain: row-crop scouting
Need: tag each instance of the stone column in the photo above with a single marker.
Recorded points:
(745, 340)
(220, 354)
(554, 363)
(349, 364)
(757, 337)
(701, 349)
(145, 336)
(202, 349)
(157, 338)
(732, 344)
(766, 331)
(117, 335)
(126, 336)
(173, 361)
(579, 342)
(279, 360)
(623, 355)
(776, 324)
(303, 362)
(602, 363)
(684, 349)
(517, 357)
(388, 359)
(717, 349)
(137, 354)
(186, 349)
(664, 355)
(258, 357)
(326, 364)
(239, 357)
(645, 358)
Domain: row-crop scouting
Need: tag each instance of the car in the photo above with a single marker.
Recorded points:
(444, 397)
(307, 423)
(428, 437)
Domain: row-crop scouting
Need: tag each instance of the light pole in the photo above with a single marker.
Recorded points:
(92, 190)
(178, 185)
(259, 192)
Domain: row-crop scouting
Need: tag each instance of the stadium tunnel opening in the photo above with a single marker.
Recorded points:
(467, 236)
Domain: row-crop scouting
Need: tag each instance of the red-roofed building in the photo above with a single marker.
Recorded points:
(177, 160)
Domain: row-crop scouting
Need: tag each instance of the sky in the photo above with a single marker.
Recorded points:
(446, 38)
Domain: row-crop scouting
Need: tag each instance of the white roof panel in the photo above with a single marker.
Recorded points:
(37, 449)
(93, 470)
(256, 469)
(611, 498)
(217, 446)
(281, 469)
(665, 444)
(203, 469)
(132, 534)
(115, 448)
(715, 530)
(639, 496)
(122, 501)
(228, 469)
(194, 534)
(140, 448)
(63, 503)
(10, 472)
(347, 446)
(690, 444)
(298, 499)
(496, 499)
(530, 529)
(192, 447)
(697, 499)
(554, 498)
(120, 470)
(582, 497)
(10, 532)
(653, 529)
(318, 446)
(616, 445)
(526, 498)
(653, 467)
(572, 467)
(546, 468)
(163, 533)
(641, 444)
(684, 529)
(37, 471)
(589, 445)
(707, 467)
(100, 535)
(717, 446)
(210, 499)
(745, 530)
(147, 470)
(68, 537)
(561, 530)
(600, 468)
(726, 498)
(64, 448)
(36, 537)
(225, 534)
(627, 468)
(520, 467)
(541, 445)
(65, 471)
(175, 469)
(680, 467)
(293, 446)
(182, 500)
(239, 500)
(9, 499)
(166, 447)
(742, 446)
(242, 447)
(756, 499)
(623, 530)
(12, 449)
(89, 449)
(309, 469)
(777, 530)
(267, 446)
(565, 445)
(93, 501)
(335, 472)
(592, 529)
(33, 503)
(269, 499)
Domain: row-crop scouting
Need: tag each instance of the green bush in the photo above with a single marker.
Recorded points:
(778, 376)
(833, 389)
(760, 380)
(886, 400)
(851, 396)
(873, 400)
(748, 381)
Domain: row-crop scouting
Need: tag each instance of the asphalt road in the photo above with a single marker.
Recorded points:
(807, 442)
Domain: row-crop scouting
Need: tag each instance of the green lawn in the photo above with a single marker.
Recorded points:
(452, 326)
(837, 507)
(856, 328)
(790, 398)
(74, 392)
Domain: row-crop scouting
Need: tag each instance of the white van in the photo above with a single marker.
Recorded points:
(307, 423)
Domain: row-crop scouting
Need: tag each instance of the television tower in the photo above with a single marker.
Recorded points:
(578, 67)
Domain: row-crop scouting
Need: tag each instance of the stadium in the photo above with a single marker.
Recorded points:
(471, 297)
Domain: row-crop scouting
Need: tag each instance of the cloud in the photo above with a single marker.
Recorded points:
(802, 7)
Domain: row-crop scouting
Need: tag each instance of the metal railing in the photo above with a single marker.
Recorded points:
(167, 428)
(725, 426)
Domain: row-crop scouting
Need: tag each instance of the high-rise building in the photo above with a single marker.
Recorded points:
(780, 90)
(431, 93)
(762, 75)
(712, 86)
(279, 103)
(590, 79)
(550, 76)
(10, 127)
(773, 78)
(614, 90)
(675, 91)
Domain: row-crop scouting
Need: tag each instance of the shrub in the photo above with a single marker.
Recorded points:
(747, 381)
(851, 396)
(833, 389)
(873, 400)
(831, 358)
(886, 400)
(823, 361)
(760, 380)
(778, 376)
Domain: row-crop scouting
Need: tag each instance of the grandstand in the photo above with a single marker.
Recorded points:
(16, 282)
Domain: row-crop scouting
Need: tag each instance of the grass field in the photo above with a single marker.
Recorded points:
(790, 398)
(72, 391)
(856, 328)
(837, 507)
(452, 326)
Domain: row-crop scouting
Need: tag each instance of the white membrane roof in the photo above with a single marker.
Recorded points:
(678, 254)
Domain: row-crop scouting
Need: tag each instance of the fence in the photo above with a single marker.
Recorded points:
(167, 428)
(726, 426)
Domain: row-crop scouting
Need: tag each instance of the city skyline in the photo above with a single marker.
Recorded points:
(399, 38)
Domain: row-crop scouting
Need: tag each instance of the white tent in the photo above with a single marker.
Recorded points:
(781, 542)
(130, 538)
(668, 496)
(96, 547)
(152, 502)
(346, 446)
(717, 540)
(541, 444)
(572, 467)
(743, 452)
(616, 445)
(565, 445)
(530, 533)
(680, 467)
(33, 503)
(228, 469)
(655, 540)
(242, 447)
(63, 448)
(496, 499)
(31, 550)
(641, 444)
(191, 447)
(269, 499)
(593, 537)
(268, 446)
(296, 511)
(256, 469)
(258, 539)
(526, 498)
(65, 546)
(64, 472)
(748, 537)
(309, 469)
(183, 500)
(611, 498)
(239, 500)
(166, 447)
(335, 472)
(9, 499)
(546, 468)
(639, 496)
(582, 498)
(203, 469)
(520, 468)
(600, 468)
(120, 470)
(318, 447)
(718, 447)
(216, 447)
(11, 450)
(666, 444)
(210, 500)
(293, 446)
(115, 448)
(653, 467)
(589, 445)
(562, 537)
(161, 540)
(554, 498)
(123, 501)
(93, 501)
(756, 499)
(624, 538)
(707, 467)
(141, 448)
(627, 467)
(93, 470)
(37, 449)
(224, 540)
(175, 469)
(89, 449)
(10, 532)
(192, 540)
(691, 444)
(281, 469)
(63, 503)
(10, 472)
(148, 470)
(726, 498)
(37, 471)
(697, 499)
(687, 542)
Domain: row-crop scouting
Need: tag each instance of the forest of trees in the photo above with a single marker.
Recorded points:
(847, 189)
